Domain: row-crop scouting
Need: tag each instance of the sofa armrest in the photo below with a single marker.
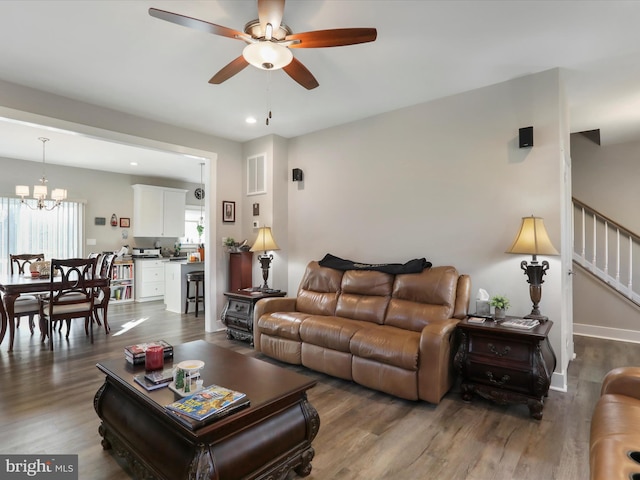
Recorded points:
(435, 369)
(270, 305)
(622, 381)
(463, 297)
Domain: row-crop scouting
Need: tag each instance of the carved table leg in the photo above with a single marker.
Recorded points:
(467, 392)
(535, 408)
(202, 466)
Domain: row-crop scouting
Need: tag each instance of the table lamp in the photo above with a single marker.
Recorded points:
(532, 239)
(263, 243)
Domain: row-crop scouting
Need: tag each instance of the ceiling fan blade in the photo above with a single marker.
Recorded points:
(235, 66)
(270, 11)
(333, 38)
(196, 24)
(301, 74)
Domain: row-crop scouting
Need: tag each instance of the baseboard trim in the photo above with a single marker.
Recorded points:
(559, 382)
(608, 333)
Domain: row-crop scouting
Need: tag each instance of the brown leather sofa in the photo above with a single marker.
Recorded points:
(614, 447)
(393, 333)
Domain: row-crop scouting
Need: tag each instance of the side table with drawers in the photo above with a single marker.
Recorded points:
(506, 364)
(237, 314)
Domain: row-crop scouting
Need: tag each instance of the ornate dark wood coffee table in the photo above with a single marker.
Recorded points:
(265, 440)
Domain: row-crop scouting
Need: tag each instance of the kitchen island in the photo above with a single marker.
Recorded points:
(175, 281)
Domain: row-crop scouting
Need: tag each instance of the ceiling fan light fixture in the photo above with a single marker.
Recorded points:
(267, 55)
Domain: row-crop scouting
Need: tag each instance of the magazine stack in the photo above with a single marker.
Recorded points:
(211, 403)
(135, 354)
(523, 323)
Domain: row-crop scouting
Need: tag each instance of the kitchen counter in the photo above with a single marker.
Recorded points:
(175, 280)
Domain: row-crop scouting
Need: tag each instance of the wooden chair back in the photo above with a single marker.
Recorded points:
(71, 289)
(106, 267)
(24, 260)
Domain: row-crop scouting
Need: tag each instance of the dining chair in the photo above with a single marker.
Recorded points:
(71, 295)
(101, 300)
(26, 305)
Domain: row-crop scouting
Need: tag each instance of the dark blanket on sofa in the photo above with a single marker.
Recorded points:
(416, 265)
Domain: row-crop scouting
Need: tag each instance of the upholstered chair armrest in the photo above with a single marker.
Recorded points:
(622, 381)
(436, 361)
(463, 297)
(270, 305)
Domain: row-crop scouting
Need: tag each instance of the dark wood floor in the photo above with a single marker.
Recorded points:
(46, 406)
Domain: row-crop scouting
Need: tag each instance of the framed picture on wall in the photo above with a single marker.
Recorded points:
(228, 211)
(125, 222)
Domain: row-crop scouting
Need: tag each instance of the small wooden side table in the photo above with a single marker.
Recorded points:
(506, 364)
(237, 314)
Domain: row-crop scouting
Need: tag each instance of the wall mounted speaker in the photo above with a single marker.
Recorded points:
(297, 175)
(526, 137)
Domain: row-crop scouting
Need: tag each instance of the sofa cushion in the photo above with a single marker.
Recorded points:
(614, 415)
(364, 295)
(331, 332)
(389, 345)
(327, 360)
(319, 289)
(282, 324)
(419, 298)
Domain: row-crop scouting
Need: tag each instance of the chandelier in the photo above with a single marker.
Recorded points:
(40, 191)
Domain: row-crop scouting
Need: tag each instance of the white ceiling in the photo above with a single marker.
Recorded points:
(111, 53)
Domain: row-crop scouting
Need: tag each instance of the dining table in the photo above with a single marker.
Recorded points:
(12, 286)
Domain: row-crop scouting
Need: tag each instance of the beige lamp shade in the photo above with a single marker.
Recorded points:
(264, 241)
(532, 239)
(59, 194)
(22, 190)
(40, 191)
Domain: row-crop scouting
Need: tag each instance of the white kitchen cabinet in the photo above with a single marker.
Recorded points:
(158, 211)
(149, 278)
(175, 284)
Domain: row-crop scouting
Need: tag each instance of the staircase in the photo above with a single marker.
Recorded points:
(607, 250)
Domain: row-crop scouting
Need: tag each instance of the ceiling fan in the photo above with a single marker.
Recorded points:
(269, 41)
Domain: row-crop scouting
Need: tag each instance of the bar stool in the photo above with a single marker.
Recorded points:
(196, 277)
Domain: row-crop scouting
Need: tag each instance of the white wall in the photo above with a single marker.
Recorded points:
(443, 180)
(273, 207)
(606, 178)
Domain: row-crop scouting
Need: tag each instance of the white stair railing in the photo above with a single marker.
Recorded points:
(594, 251)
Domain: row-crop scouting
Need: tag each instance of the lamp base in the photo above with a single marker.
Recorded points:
(265, 263)
(540, 318)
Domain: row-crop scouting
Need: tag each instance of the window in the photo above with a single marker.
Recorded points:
(57, 233)
(191, 222)
(257, 174)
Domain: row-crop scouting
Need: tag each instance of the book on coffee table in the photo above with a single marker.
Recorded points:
(148, 385)
(208, 404)
(135, 354)
(160, 376)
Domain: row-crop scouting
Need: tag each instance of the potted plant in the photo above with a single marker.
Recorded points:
(501, 304)
(230, 244)
(200, 229)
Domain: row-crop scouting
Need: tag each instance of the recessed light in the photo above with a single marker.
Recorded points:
(134, 164)
(250, 120)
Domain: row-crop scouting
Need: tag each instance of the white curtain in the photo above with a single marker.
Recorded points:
(56, 233)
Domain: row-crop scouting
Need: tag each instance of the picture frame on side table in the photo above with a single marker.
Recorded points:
(125, 222)
(228, 211)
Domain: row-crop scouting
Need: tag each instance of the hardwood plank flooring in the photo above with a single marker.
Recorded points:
(46, 406)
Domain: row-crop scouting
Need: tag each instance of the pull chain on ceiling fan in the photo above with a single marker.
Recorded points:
(269, 41)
